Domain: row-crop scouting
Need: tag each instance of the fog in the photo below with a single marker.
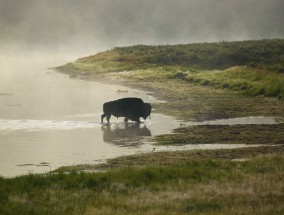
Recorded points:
(51, 33)
(88, 26)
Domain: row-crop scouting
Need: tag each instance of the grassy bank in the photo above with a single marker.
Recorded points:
(250, 67)
(198, 184)
(246, 80)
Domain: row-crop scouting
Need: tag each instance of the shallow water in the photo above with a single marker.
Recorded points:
(48, 120)
(42, 145)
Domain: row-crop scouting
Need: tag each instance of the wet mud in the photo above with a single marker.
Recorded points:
(225, 134)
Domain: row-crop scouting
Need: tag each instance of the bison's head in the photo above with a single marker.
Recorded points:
(146, 110)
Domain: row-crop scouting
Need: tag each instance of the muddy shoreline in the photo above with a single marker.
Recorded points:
(188, 101)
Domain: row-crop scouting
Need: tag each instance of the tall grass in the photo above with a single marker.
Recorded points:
(246, 80)
(198, 187)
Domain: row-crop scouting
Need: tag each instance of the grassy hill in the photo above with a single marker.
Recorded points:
(251, 67)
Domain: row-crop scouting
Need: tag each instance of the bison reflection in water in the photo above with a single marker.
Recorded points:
(130, 108)
(127, 134)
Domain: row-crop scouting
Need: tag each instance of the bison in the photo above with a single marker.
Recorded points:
(130, 108)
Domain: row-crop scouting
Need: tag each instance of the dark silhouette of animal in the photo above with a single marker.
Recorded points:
(130, 108)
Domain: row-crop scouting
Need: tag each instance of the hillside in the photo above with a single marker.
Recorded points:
(253, 67)
(221, 55)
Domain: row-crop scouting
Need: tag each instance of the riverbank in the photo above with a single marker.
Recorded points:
(199, 182)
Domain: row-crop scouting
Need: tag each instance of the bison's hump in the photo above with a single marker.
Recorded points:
(130, 100)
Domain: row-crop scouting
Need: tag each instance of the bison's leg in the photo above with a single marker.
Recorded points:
(137, 119)
(108, 117)
(102, 117)
(105, 115)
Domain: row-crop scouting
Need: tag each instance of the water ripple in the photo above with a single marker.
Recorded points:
(44, 124)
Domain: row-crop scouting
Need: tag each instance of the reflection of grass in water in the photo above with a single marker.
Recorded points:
(194, 186)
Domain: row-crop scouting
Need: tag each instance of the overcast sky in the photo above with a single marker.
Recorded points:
(94, 25)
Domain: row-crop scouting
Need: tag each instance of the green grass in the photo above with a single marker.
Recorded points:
(220, 55)
(245, 80)
(250, 67)
(249, 81)
(194, 186)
